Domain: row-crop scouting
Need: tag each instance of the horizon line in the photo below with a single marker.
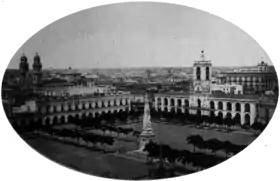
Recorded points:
(144, 67)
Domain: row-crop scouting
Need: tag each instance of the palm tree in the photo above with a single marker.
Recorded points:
(195, 140)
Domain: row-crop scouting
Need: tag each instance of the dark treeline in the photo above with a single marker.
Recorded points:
(89, 137)
(214, 145)
(83, 125)
(199, 160)
(87, 123)
(207, 121)
(100, 121)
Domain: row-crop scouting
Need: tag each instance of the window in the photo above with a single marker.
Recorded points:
(247, 107)
(198, 103)
(220, 105)
(207, 73)
(198, 73)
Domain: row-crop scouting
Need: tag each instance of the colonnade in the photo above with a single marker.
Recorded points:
(63, 117)
(243, 109)
(66, 106)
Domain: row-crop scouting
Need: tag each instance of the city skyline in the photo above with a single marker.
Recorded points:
(140, 35)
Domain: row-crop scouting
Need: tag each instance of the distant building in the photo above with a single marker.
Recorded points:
(258, 79)
(68, 89)
(70, 76)
(27, 107)
(227, 88)
(30, 79)
(59, 84)
(175, 79)
(225, 100)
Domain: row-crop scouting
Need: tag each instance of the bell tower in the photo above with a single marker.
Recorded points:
(24, 73)
(37, 70)
(202, 74)
(23, 65)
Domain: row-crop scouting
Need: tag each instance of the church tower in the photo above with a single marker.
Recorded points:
(24, 80)
(37, 70)
(23, 65)
(202, 74)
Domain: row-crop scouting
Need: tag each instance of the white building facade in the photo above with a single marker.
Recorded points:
(227, 88)
(202, 100)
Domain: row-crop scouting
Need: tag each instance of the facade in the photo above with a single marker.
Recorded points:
(29, 79)
(203, 101)
(70, 76)
(69, 89)
(175, 79)
(227, 88)
(202, 75)
(48, 112)
(37, 71)
(25, 79)
(259, 79)
(203, 98)
(64, 85)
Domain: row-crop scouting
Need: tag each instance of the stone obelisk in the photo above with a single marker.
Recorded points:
(147, 133)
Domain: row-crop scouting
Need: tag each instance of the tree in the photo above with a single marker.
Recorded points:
(213, 144)
(196, 140)
(219, 121)
(210, 120)
(152, 149)
(258, 126)
(227, 147)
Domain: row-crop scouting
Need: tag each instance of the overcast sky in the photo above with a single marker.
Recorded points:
(140, 35)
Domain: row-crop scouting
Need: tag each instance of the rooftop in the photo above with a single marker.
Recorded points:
(88, 96)
(70, 73)
(184, 93)
(220, 94)
(56, 82)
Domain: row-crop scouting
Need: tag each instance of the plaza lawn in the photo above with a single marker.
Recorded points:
(87, 161)
(175, 135)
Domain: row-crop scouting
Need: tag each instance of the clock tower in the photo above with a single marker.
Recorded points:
(202, 75)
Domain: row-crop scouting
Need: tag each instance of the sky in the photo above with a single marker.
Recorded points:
(140, 35)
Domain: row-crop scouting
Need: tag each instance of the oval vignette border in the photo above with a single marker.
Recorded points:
(259, 140)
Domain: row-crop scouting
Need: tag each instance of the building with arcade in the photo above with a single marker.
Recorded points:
(202, 100)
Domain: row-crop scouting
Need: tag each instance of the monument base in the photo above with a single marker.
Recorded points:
(145, 137)
(147, 133)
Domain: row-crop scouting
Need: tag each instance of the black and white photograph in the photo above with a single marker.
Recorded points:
(140, 91)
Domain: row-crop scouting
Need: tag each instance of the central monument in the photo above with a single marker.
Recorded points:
(147, 133)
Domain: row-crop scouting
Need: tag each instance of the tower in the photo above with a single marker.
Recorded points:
(23, 65)
(24, 80)
(37, 70)
(202, 74)
(262, 67)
